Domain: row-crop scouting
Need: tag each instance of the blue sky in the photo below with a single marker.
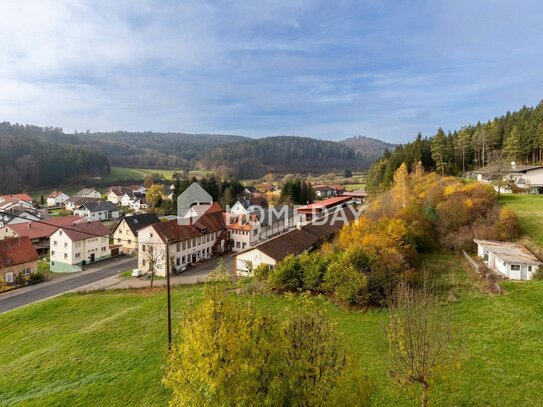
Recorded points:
(384, 69)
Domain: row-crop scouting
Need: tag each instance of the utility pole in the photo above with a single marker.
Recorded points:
(169, 298)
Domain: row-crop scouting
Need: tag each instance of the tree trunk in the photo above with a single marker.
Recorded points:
(424, 394)
(152, 278)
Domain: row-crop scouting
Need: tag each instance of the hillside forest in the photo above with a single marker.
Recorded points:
(516, 136)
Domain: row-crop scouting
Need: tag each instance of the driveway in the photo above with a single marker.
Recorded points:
(193, 275)
(72, 281)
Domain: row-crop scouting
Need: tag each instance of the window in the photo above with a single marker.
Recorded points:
(515, 267)
(255, 232)
(143, 247)
(178, 246)
(189, 243)
(143, 262)
(119, 240)
(55, 243)
(178, 261)
(103, 249)
(184, 245)
(244, 245)
(65, 255)
(77, 255)
(237, 245)
(529, 268)
(26, 272)
(183, 260)
(65, 245)
(52, 252)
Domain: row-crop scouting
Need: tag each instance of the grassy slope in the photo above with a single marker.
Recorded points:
(139, 174)
(529, 208)
(109, 348)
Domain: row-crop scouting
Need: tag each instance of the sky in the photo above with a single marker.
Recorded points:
(324, 69)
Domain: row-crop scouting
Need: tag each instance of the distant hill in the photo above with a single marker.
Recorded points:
(282, 154)
(367, 146)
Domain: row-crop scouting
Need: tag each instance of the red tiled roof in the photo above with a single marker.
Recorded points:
(54, 194)
(36, 230)
(21, 197)
(324, 204)
(16, 250)
(85, 230)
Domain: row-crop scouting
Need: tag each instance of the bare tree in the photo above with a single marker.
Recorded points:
(420, 336)
(153, 255)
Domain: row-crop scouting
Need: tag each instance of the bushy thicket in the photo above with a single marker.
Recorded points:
(421, 212)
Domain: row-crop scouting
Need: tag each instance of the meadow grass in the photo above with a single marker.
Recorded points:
(529, 209)
(109, 348)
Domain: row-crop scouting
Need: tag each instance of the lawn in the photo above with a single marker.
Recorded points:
(529, 209)
(109, 348)
(139, 174)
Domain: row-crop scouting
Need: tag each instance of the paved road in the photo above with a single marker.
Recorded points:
(193, 275)
(99, 271)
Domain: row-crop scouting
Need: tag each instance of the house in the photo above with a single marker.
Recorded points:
(18, 258)
(294, 242)
(321, 208)
(137, 189)
(188, 240)
(244, 230)
(72, 247)
(527, 177)
(19, 197)
(115, 194)
(57, 198)
(247, 205)
(18, 214)
(249, 190)
(324, 191)
(75, 202)
(9, 203)
(139, 203)
(512, 260)
(88, 193)
(38, 232)
(98, 210)
(126, 232)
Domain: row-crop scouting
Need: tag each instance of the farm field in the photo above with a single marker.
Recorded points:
(139, 174)
(529, 209)
(109, 348)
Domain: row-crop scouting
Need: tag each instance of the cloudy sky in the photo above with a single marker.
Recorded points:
(330, 69)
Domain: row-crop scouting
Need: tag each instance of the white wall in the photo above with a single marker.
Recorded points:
(250, 260)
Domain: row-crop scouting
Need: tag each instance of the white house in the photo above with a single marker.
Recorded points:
(88, 193)
(98, 210)
(115, 194)
(16, 215)
(126, 232)
(188, 242)
(324, 191)
(512, 260)
(71, 247)
(57, 198)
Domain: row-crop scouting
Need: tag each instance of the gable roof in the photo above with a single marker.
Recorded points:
(97, 206)
(79, 200)
(294, 242)
(140, 221)
(54, 194)
(42, 229)
(510, 252)
(21, 197)
(85, 230)
(16, 250)
(85, 192)
(324, 204)
(209, 222)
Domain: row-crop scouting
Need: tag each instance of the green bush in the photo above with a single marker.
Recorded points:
(288, 275)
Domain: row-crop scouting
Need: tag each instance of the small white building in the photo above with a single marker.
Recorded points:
(71, 247)
(98, 210)
(57, 198)
(512, 260)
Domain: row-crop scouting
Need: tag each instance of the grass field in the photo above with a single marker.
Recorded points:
(109, 348)
(529, 209)
(139, 174)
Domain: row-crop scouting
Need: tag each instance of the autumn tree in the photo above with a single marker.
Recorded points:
(400, 188)
(154, 194)
(420, 336)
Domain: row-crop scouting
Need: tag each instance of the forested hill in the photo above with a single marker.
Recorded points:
(367, 146)
(254, 158)
(516, 136)
(31, 156)
(154, 150)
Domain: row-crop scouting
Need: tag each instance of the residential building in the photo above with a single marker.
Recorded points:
(115, 194)
(189, 240)
(126, 232)
(137, 189)
(17, 214)
(248, 205)
(38, 232)
(72, 247)
(244, 230)
(512, 260)
(18, 258)
(75, 202)
(359, 196)
(249, 190)
(324, 191)
(294, 242)
(57, 198)
(98, 210)
(19, 197)
(88, 193)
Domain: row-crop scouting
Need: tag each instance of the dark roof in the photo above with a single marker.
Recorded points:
(324, 228)
(85, 230)
(140, 221)
(273, 215)
(79, 200)
(294, 242)
(209, 222)
(324, 204)
(16, 250)
(97, 206)
(253, 201)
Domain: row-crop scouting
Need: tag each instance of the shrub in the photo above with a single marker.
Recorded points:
(287, 275)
